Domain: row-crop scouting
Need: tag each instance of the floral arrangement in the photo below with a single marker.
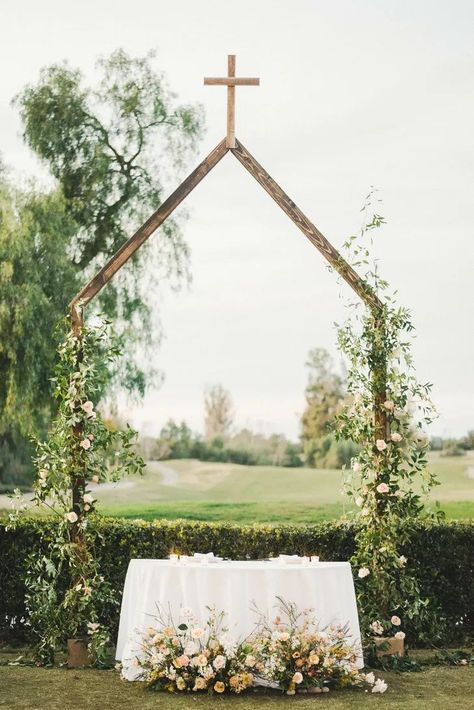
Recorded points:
(294, 653)
(289, 653)
(191, 657)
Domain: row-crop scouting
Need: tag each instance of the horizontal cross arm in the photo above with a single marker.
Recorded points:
(318, 240)
(231, 81)
(146, 230)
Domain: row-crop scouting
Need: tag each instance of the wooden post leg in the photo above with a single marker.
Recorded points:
(78, 482)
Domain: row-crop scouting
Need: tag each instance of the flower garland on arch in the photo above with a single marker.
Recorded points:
(66, 595)
(391, 473)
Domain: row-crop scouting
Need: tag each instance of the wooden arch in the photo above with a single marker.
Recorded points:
(317, 239)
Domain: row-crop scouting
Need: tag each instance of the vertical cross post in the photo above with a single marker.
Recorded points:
(231, 81)
(230, 139)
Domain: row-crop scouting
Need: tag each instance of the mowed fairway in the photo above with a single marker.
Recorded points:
(212, 491)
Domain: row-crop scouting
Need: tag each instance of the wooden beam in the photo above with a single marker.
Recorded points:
(307, 227)
(231, 81)
(230, 138)
(92, 288)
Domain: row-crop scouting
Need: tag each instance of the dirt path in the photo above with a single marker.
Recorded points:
(169, 477)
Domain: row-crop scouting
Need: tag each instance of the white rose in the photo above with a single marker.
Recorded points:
(190, 648)
(356, 467)
(403, 560)
(197, 633)
(381, 444)
(250, 660)
(382, 488)
(399, 493)
(88, 407)
(359, 501)
(86, 444)
(396, 621)
(389, 405)
(395, 436)
(88, 498)
(370, 678)
(377, 627)
(400, 635)
(380, 686)
(297, 678)
(363, 572)
(219, 662)
(71, 517)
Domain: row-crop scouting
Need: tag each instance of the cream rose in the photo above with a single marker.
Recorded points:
(396, 621)
(363, 572)
(86, 444)
(382, 488)
(396, 437)
(297, 678)
(71, 517)
(381, 445)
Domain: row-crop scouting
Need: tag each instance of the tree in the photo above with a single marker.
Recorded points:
(218, 409)
(35, 273)
(109, 149)
(324, 396)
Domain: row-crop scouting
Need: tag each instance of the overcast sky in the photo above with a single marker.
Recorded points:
(352, 94)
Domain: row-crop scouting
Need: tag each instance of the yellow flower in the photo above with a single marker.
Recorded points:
(219, 687)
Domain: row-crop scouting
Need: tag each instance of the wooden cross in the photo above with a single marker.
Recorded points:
(231, 81)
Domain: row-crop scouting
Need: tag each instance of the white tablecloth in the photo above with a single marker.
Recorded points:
(326, 587)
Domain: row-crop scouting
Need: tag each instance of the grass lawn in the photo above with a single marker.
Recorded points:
(198, 490)
(214, 491)
(29, 688)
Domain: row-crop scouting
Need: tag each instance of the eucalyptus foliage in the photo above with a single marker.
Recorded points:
(390, 473)
(67, 597)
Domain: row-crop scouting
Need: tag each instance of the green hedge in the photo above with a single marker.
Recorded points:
(442, 553)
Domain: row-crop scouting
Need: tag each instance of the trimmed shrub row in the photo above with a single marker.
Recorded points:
(442, 554)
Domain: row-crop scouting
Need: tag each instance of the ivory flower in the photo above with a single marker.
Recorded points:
(381, 444)
(219, 662)
(370, 678)
(396, 437)
(400, 635)
(95, 479)
(403, 560)
(92, 627)
(297, 678)
(283, 636)
(86, 444)
(363, 572)
(180, 683)
(88, 407)
(359, 501)
(250, 660)
(197, 633)
(396, 621)
(201, 660)
(382, 488)
(219, 687)
(389, 405)
(71, 517)
(399, 493)
(200, 684)
(356, 467)
(377, 627)
(380, 686)
(88, 498)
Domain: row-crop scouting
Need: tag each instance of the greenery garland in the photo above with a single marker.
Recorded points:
(390, 474)
(67, 596)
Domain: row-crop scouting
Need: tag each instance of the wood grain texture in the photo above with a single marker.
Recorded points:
(231, 81)
(92, 288)
(230, 140)
(306, 226)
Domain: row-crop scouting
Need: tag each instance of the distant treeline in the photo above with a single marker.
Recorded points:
(178, 441)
